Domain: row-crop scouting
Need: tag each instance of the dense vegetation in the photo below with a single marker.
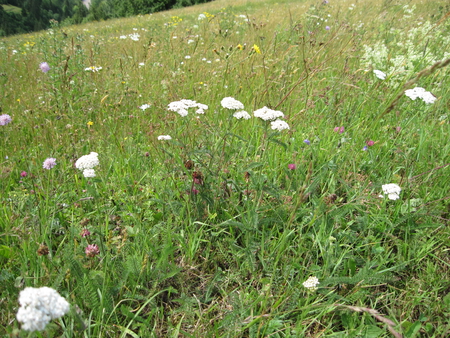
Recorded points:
(22, 16)
(196, 215)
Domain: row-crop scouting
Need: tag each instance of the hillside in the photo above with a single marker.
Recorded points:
(238, 168)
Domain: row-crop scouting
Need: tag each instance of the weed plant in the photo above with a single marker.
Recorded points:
(212, 232)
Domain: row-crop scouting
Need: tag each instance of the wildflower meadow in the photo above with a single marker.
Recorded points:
(254, 168)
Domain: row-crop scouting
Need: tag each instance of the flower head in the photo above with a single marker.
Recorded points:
(392, 190)
(89, 173)
(421, 93)
(85, 233)
(292, 166)
(5, 119)
(306, 141)
(164, 137)
(181, 107)
(49, 163)
(279, 125)
(379, 74)
(92, 250)
(87, 161)
(23, 174)
(370, 143)
(38, 306)
(144, 106)
(311, 283)
(93, 69)
(44, 67)
(339, 130)
(268, 114)
(241, 114)
(231, 103)
(327, 28)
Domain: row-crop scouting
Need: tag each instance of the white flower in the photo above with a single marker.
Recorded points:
(311, 283)
(379, 74)
(134, 36)
(164, 137)
(427, 97)
(38, 306)
(144, 106)
(392, 190)
(187, 57)
(242, 114)
(87, 161)
(231, 103)
(93, 69)
(421, 93)
(268, 114)
(279, 125)
(89, 173)
(201, 16)
(182, 106)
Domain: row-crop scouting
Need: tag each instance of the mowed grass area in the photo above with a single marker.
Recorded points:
(213, 232)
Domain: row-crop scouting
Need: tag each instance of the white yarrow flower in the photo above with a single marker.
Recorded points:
(89, 173)
(392, 190)
(268, 114)
(93, 69)
(420, 93)
(144, 106)
(311, 283)
(242, 114)
(87, 161)
(38, 306)
(279, 125)
(181, 107)
(231, 103)
(379, 74)
(164, 137)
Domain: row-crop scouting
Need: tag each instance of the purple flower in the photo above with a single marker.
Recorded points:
(307, 142)
(339, 130)
(92, 250)
(365, 148)
(370, 143)
(23, 174)
(5, 119)
(49, 163)
(85, 233)
(44, 67)
(292, 166)
(327, 28)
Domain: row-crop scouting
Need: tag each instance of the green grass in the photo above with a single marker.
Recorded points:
(12, 9)
(210, 234)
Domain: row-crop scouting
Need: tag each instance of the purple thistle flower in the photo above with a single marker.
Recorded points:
(5, 119)
(307, 141)
(292, 166)
(23, 174)
(44, 67)
(49, 163)
(370, 143)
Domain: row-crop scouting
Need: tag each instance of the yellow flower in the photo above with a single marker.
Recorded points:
(240, 47)
(256, 49)
(90, 123)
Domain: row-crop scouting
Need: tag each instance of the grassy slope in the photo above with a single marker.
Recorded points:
(230, 260)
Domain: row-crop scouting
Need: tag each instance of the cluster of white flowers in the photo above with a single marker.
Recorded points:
(407, 52)
(164, 137)
(311, 283)
(144, 106)
(279, 125)
(268, 114)
(87, 164)
(392, 190)
(379, 74)
(420, 93)
(93, 69)
(242, 114)
(182, 106)
(38, 306)
(231, 103)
